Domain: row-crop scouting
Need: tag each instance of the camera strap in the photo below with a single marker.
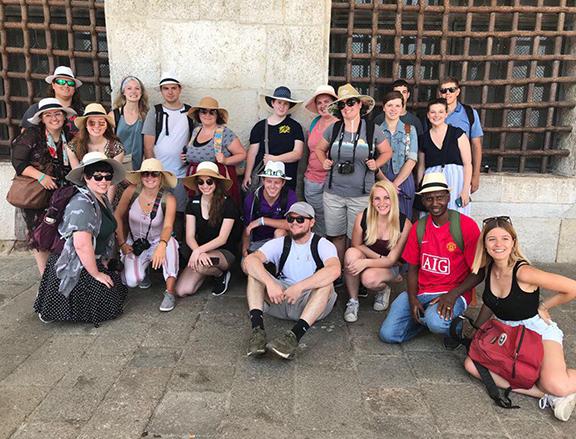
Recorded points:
(153, 212)
(354, 144)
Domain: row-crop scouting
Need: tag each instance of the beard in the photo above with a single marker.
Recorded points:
(296, 236)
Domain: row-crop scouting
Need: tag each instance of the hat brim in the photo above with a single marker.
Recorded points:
(35, 120)
(80, 121)
(190, 181)
(310, 104)
(434, 187)
(284, 177)
(134, 177)
(368, 102)
(49, 79)
(268, 101)
(222, 111)
(76, 175)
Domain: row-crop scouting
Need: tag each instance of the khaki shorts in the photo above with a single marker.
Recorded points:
(287, 311)
(340, 213)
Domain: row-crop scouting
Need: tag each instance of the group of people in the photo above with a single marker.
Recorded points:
(172, 187)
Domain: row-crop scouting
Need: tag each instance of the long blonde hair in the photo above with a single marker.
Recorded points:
(482, 258)
(392, 219)
(120, 100)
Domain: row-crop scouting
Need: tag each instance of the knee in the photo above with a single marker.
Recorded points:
(436, 324)
(470, 366)
(278, 233)
(130, 279)
(553, 385)
(351, 255)
(387, 333)
(371, 280)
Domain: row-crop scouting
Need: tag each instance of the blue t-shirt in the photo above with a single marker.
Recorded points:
(458, 118)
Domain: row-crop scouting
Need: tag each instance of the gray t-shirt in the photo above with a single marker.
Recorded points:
(350, 185)
(204, 152)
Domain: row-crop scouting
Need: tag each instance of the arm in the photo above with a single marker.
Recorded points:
(446, 301)
(220, 240)
(421, 168)
(384, 154)
(289, 157)
(74, 162)
(169, 216)
(476, 144)
(466, 155)
(565, 287)
(405, 172)
(149, 146)
(237, 151)
(322, 278)
(250, 161)
(120, 215)
(82, 241)
(484, 314)
(254, 264)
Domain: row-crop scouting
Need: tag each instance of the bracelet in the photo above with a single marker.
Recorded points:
(41, 178)
(164, 241)
(262, 221)
(541, 305)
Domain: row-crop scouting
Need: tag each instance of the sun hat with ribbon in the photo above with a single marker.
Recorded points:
(93, 109)
(76, 175)
(275, 170)
(281, 93)
(206, 169)
(346, 92)
(433, 181)
(208, 103)
(168, 78)
(48, 104)
(64, 72)
(152, 165)
(310, 104)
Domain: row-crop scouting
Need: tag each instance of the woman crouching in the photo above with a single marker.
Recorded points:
(77, 284)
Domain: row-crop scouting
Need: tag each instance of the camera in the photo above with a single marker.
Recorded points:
(140, 245)
(345, 168)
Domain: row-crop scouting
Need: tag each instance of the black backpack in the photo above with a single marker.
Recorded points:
(118, 112)
(160, 113)
(286, 251)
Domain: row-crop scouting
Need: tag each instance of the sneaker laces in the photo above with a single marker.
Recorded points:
(544, 402)
(352, 306)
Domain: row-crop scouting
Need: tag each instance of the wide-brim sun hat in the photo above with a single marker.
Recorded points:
(208, 103)
(93, 109)
(274, 170)
(49, 104)
(310, 104)
(346, 92)
(63, 72)
(281, 93)
(432, 182)
(152, 165)
(76, 175)
(206, 169)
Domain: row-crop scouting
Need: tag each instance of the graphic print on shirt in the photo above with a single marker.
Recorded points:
(435, 264)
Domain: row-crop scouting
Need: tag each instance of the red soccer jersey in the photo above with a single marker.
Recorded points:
(442, 265)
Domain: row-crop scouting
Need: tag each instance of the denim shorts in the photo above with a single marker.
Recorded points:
(548, 331)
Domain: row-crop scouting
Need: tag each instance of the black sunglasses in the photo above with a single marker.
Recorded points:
(443, 91)
(150, 174)
(208, 111)
(298, 219)
(68, 82)
(496, 218)
(208, 181)
(100, 177)
(348, 102)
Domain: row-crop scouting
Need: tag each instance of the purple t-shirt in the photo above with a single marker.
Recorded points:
(276, 211)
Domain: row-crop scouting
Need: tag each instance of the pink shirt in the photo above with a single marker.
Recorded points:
(314, 171)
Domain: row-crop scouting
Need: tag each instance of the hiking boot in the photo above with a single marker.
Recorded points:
(168, 303)
(221, 284)
(146, 282)
(257, 342)
(351, 313)
(382, 299)
(284, 346)
(562, 405)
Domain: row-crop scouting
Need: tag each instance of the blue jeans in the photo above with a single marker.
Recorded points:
(399, 325)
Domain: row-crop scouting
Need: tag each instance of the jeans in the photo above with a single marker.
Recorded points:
(399, 325)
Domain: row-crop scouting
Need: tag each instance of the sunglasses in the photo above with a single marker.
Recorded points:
(496, 218)
(298, 219)
(154, 174)
(68, 82)
(100, 177)
(96, 123)
(208, 111)
(443, 91)
(271, 173)
(208, 181)
(348, 102)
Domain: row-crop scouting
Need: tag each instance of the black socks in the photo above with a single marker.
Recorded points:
(300, 328)
(256, 318)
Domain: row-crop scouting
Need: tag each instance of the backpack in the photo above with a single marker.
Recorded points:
(160, 120)
(118, 112)
(455, 228)
(286, 251)
(45, 235)
(255, 208)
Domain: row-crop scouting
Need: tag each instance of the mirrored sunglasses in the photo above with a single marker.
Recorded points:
(68, 82)
(271, 173)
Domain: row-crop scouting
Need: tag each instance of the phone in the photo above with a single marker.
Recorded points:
(459, 201)
(214, 260)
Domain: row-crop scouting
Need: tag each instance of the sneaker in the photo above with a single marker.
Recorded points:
(221, 284)
(168, 303)
(257, 342)
(285, 345)
(382, 299)
(362, 291)
(146, 282)
(44, 320)
(351, 313)
(562, 405)
(339, 282)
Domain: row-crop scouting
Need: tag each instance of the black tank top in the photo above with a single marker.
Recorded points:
(517, 305)
(449, 154)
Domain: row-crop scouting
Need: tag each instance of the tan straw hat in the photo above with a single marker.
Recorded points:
(76, 175)
(432, 182)
(152, 165)
(322, 90)
(346, 92)
(208, 103)
(206, 169)
(93, 109)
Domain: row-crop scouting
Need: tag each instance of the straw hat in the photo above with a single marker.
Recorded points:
(274, 170)
(93, 109)
(346, 92)
(434, 181)
(48, 104)
(166, 79)
(64, 72)
(208, 103)
(76, 175)
(206, 169)
(322, 90)
(152, 165)
(281, 93)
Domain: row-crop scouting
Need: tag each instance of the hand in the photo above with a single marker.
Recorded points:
(204, 260)
(475, 183)
(246, 182)
(104, 279)
(269, 157)
(416, 308)
(220, 158)
(465, 198)
(193, 261)
(183, 158)
(544, 314)
(275, 292)
(356, 267)
(445, 305)
(48, 183)
(159, 255)
(327, 164)
(371, 164)
(126, 248)
(293, 293)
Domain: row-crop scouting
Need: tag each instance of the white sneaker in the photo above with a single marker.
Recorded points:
(382, 299)
(562, 405)
(168, 303)
(351, 313)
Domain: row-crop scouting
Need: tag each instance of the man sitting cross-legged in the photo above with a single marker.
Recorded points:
(302, 290)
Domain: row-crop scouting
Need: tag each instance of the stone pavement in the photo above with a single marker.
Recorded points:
(184, 374)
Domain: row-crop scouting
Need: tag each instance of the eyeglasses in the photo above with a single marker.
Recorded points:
(154, 174)
(271, 173)
(208, 111)
(497, 219)
(298, 219)
(97, 123)
(348, 102)
(68, 82)
(100, 177)
(443, 91)
(201, 182)
(53, 115)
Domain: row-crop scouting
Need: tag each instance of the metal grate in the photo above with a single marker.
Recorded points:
(511, 55)
(36, 36)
